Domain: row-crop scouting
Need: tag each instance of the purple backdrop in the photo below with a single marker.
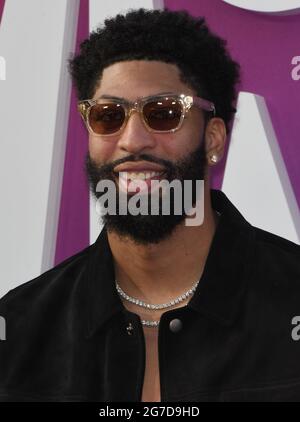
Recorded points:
(264, 46)
(73, 228)
(1, 8)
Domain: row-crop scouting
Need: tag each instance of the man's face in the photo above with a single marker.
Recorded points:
(181, 154)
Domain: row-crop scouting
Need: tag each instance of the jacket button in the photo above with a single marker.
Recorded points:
(129, 329)
(175, 325)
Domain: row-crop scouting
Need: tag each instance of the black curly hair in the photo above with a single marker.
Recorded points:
(170, 36)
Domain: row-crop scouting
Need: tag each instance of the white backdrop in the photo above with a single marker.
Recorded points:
(35, 40)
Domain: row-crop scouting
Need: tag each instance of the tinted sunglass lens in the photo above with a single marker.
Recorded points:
(106, 118)
(163, 114)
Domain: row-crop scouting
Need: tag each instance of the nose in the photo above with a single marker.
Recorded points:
(135, 136)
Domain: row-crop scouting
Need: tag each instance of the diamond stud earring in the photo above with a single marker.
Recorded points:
(214, 158)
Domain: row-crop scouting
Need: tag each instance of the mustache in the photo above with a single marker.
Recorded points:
(190, 164)
(108, 168)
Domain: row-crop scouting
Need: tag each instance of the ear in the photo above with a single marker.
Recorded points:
(215, 138)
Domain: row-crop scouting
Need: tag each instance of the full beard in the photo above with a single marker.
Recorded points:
(149, 229)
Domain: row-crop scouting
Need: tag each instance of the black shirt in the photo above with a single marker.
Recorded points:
(70, 338)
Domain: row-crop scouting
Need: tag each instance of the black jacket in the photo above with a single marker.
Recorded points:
(69, 337)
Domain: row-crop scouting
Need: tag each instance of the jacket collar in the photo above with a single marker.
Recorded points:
(222, 285)
(228, 265)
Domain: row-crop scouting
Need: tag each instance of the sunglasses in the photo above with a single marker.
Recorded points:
(106, 116)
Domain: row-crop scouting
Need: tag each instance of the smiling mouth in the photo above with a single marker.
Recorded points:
(124, 178)
(141, 175)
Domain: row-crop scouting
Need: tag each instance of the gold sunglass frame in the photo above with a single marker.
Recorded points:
(187, 101)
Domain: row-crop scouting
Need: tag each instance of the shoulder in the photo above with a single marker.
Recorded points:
(275, 253)
(274, 241)
(273, 279)
(43, 292)
(36, 316)
(60, 276)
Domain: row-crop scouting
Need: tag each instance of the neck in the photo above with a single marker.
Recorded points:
(157, 273)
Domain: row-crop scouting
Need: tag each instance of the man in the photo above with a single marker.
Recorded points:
(158, 309)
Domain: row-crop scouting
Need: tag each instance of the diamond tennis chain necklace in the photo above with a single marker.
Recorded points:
(142, 304)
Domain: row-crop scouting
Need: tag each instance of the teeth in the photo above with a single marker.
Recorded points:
(139, 175)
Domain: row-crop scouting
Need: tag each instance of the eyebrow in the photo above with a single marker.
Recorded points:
(112, 97)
